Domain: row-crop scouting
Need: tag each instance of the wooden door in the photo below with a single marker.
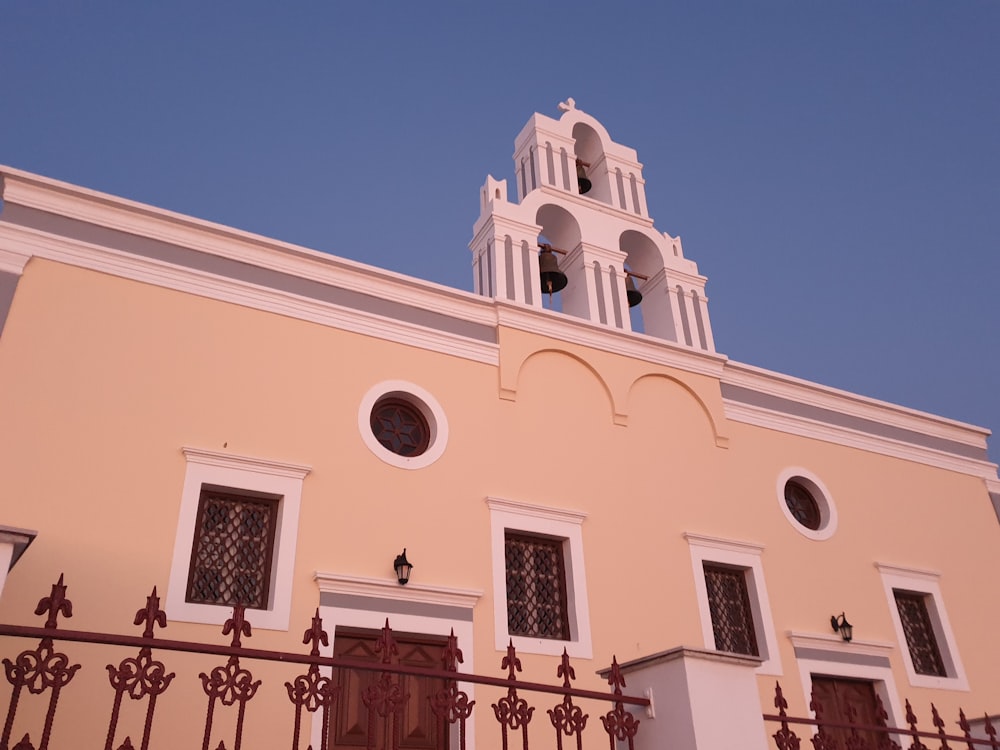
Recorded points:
(419, 727)
(846, 701)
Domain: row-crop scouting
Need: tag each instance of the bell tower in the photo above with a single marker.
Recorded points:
(580, 228)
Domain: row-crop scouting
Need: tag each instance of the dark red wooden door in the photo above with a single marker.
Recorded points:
(419, 728)
(845, 701)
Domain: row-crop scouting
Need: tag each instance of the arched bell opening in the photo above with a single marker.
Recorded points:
(589, 159)
(560, 235)
(649, 308)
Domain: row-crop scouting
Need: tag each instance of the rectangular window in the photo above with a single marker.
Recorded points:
(536, 586)
(916, 606)
(919, 633)
(729, 605)
(232, 551)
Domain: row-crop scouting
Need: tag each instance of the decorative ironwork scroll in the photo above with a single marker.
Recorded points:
(565, 717)
(141, 676)
(230, 683)
(512, 711)
(449, 704)
(619, 723)
(40, 669)
(313, 691)
(385, 698)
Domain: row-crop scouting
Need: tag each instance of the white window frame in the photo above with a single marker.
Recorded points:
(924, 582)
(238, 473)
(551, 522)
(745, 555)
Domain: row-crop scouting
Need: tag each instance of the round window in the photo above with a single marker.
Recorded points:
(806, 503)
(402, 424)
(400, 427)
(802, 505)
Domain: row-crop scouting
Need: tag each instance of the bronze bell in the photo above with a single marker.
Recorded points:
(553, 280)
(581, 178)
(632, 291)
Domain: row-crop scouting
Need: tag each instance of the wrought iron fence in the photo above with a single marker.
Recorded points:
(854, 735)
(231, 685)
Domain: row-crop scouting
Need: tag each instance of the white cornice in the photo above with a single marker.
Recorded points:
(32, 191)
(12, 261)
(824, 642)
(563, 327)
(899, 570)
(137, 268)
(730, 545)
(550, 193)
(795, 425)
(245, 463)
(844, 402)
(380, 588)
(563, 515)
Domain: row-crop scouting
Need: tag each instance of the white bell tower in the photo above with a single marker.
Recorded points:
(583, 195)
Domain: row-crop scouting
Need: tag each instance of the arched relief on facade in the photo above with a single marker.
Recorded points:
(713, 418)
(511, 370)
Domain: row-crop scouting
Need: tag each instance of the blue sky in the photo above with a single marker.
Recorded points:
(833, 167)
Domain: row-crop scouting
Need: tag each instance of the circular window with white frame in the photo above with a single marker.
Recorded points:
(403, 424)
(806, 503)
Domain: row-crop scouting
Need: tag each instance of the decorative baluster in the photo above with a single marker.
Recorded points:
(619, 723)
(911, 720)
(963, 724)
(821, 740)
(140, 676)
(512, 712)
(855, 741)
(882, 718)
(565, 717)
(312, 690)
(40, 669)
(784, 738)
(385, 697)
(939, 723)
(991, 733)
(230, 683)
(450, 704)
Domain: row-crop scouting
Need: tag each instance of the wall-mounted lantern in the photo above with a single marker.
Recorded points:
(403, 568)
(842, 626)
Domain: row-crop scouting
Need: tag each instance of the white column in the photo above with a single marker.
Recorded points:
(675, 308)
(703, 305)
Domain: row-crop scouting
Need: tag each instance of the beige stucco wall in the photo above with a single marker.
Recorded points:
(103, 381)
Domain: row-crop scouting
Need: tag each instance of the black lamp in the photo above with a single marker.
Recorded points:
(403, 568)
(841, 625)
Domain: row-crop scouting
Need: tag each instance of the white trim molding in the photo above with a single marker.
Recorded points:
(927, 584)
(747, 557)
(357, 602)
(227, 470)
(558, 523)
(384, 588)
(830, 656)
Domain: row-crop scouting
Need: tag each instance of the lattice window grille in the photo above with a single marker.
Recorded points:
(732, 615)
(233, 549)
(536, 587)
(919, 633)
